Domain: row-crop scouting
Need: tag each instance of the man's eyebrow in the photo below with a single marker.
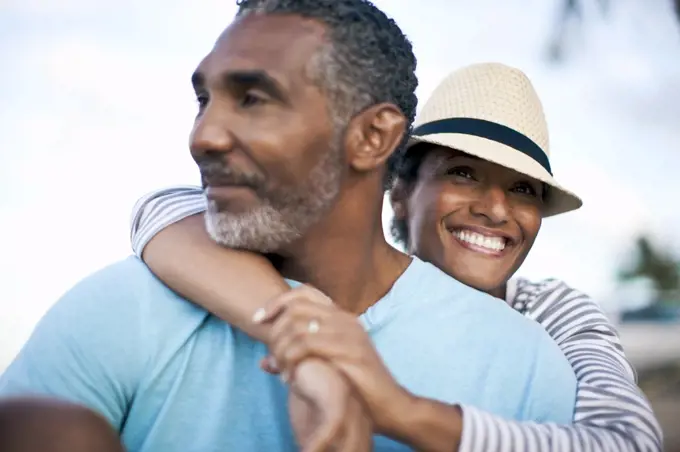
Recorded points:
(197, 79)
(257, 79)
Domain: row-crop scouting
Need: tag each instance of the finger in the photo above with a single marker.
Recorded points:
(325, 346)
(268, 364)
(284, 344)
(276, 306)
(297, 343)
(316, 295)
(296, 318)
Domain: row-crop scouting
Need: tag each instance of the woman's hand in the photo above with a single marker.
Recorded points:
(305, 324)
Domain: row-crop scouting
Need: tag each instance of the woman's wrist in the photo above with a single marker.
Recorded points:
(424, 424)
(393, 421)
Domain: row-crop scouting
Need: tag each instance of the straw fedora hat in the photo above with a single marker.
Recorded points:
(492, 111)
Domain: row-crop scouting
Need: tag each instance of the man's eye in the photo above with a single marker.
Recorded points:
(251, 99)
(202, 100)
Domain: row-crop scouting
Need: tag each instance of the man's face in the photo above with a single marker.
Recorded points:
(270, 159)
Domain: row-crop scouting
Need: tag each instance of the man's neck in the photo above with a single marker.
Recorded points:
(347, 257)
(500, 291)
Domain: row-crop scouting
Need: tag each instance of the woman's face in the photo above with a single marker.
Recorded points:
(473, 219)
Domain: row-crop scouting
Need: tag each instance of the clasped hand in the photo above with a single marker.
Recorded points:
(306, 324)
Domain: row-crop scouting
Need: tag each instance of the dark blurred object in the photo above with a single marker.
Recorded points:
(570, 14)
(661, 385)
(657, 312)
(659, 267)
(663, 271)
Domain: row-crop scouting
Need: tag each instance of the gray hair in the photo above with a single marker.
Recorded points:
(368, 59)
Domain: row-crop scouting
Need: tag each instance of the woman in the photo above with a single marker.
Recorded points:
(471, 203)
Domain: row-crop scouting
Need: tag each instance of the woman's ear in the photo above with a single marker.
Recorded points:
(399, 199)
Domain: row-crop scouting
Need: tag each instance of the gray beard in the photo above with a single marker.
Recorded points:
(283, 217)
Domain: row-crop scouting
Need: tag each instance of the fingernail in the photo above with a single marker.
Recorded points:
(259, 315)
(272, 363)
(284, 377)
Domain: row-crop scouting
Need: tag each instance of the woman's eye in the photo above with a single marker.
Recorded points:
(461, 171)
(525, 188)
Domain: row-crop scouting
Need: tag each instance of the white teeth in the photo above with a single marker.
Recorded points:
(492, 243)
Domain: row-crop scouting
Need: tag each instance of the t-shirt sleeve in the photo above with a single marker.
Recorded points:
(159, 209)
(87, 349)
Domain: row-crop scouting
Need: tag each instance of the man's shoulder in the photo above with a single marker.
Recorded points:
(126, 281)
(478, 309)
(126, 291)
(441, 287)
(131, 271)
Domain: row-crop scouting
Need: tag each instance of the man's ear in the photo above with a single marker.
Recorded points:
(373, 135)
(399, 198)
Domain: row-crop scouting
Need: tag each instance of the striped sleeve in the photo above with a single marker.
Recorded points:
(611, 412)
(159, 209)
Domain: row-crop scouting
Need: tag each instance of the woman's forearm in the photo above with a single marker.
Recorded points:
(426, 425)
(230, 284)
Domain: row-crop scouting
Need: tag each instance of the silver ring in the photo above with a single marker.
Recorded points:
(313, 327)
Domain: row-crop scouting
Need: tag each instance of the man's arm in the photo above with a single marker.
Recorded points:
(87, 349)
(45, 425)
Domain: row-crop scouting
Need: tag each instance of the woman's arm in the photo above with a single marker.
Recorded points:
(169, 235)
(611, 412)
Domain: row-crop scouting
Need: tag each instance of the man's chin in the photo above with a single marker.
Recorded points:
(257, 231)
(232, 200)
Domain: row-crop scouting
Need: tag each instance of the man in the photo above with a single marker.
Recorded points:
(302, 106)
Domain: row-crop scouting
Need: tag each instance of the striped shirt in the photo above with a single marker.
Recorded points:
(611, 413)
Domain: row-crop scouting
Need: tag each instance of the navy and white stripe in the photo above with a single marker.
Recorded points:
(611, 412)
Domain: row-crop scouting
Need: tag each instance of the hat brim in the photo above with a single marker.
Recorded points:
(560, 200)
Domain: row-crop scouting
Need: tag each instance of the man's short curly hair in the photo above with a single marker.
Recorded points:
(369, 60)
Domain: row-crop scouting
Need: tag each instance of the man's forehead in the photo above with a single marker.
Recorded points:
(278, 43)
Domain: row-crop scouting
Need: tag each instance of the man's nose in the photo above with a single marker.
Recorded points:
(492, 204)
(210, 135)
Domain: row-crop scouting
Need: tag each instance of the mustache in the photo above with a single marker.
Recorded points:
(216, 173)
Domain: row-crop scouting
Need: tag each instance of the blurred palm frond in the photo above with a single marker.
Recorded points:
(657, 266)
(570, 13)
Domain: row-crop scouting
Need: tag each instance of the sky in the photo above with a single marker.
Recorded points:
(96, 108)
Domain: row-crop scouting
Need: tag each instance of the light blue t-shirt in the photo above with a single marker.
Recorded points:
(172, 378)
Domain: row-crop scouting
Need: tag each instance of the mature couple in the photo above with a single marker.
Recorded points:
(305, 111)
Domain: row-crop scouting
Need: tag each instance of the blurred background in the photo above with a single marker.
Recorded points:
(96, 107)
